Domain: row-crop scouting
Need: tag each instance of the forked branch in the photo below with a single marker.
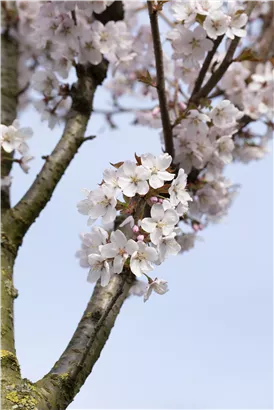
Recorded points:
(160, 74)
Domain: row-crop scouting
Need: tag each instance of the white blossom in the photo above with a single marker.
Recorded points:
(225, 147)
(190, 45)
(177, 191)
(24, 162)
(134, 180)
(157, 167)
(139, 288)
(159, 286)
(91, 242)
(142, 256)
(100, 269)
(225, 114)
(237, 21)
(95, 6)
(195, 123)
(184, 11)
(187, 241)
(161, 222)
(89, 51)
(168, 246)
(111, 178)
(99, 203)
(205, 7)
(119, 248)
(45, 82)
(234, 78)
(14, 137)
(216, 24)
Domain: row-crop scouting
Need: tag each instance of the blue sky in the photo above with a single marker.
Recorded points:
(206, 344)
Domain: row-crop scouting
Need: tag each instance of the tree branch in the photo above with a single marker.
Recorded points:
(9, 90)
(40, 192)
(221, 70)
(205, 66)
(36, 198)
(265, 44)
(69, 373)
(10, 370)
(158, 52)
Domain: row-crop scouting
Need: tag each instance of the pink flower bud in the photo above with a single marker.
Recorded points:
(140, 238)
(154, 199)
(195, 227)
(160, 200)
(155, 111)
(135, 229)
(182, 106)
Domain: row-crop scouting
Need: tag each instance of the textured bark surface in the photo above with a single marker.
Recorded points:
(69, 373)
(10, 370)
(9, 91)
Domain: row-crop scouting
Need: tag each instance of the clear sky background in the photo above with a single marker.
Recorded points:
(206, 344)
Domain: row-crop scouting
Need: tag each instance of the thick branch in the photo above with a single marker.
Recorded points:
(63, 382)
(39, 194)
(158, 52)
(9, 92)
(9, 367)
(36, 198)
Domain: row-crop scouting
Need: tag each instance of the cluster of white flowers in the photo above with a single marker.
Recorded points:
(253, 94)
(58, 35)
(88, 6)
(148, 187)
(206, 139)
(212, 15)
(209, 134)
(13, 138)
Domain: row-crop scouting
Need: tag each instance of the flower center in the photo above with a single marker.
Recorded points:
(195, 43)
(135, 180)
(104, 36)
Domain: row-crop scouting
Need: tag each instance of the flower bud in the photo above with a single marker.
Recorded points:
(154, 199)
(140, 238)
(135, 228)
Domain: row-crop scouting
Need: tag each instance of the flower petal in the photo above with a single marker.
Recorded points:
(148, 225)
(157, 212)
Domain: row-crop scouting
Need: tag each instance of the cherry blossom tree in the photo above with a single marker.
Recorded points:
(206, 69)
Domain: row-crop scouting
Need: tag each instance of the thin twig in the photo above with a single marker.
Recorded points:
(218, 74)
(205, 66)
(90, 137)
(74, 18)
(20, 92)
(167, 130)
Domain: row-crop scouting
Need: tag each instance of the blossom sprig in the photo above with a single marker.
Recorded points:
(14, 139)
(152, 198)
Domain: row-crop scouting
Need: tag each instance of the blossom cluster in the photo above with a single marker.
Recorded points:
(154, 200)
(208, 134)
(61, 35)
(207, 138)
(14, 138)
(215, 20)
